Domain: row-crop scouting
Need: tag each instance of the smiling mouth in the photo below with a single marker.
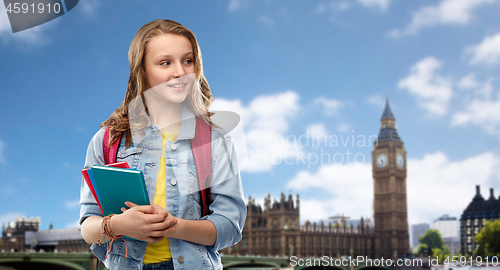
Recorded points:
(177, 85)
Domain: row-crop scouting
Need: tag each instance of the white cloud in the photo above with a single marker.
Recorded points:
(266, 20)
(339, 6)
(483, 111)
(74, 224)
(435, 186)
(72, 204)
(266, 120)
(9, 217)
(314, 210)
(431, 90)
(237, 4)
(382, 4)
(487, 52)
(89, 7)
(376, 100)
(2, 156)
(7, 190)
(317, 131)
(344, 128)
(332, 6)
(456, 12)
(468, 82)
(272, 112)
(330, 106)
(346, 183)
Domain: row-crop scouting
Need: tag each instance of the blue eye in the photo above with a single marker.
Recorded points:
(167, 64)
(189, 61)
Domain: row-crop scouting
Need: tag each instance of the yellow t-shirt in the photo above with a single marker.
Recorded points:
(160, 251)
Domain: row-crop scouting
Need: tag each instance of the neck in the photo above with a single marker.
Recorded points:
(167, 116)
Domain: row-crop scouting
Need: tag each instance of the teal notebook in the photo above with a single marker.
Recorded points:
(118, 185)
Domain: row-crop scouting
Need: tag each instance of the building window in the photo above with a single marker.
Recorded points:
(275, 223)
(476, 230)
(286, 224)
(468, 231)
(469, 248)
(293, 224)
(484, 222)
(275, 242)
(468, 239)
(468, 222)
(476, 221)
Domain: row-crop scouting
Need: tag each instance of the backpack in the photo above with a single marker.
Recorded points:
(202, 152)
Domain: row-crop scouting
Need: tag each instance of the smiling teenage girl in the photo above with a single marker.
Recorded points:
(166, 76)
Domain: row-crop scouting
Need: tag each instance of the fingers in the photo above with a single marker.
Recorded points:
(130, 204)
(154, 239)
(146, 209)
(156, 234)
(160, 226)
(157, 208)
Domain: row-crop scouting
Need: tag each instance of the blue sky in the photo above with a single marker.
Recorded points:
(287, 67)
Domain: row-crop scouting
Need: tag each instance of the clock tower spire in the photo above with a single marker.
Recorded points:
(389, 180)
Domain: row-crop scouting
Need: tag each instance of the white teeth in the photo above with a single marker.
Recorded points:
(177, 85)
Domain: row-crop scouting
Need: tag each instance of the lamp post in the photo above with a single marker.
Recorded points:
(350, 252)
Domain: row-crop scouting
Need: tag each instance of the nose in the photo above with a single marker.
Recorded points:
(179, 71)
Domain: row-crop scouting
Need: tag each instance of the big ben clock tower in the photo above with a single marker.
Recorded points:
(389, 180)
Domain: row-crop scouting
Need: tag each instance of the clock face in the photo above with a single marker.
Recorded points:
(400, 160)
(381, 160)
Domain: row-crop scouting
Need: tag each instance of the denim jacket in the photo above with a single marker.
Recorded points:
(228, 210)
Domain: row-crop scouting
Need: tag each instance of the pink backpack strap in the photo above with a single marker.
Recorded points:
(109, 152)
(202, 151)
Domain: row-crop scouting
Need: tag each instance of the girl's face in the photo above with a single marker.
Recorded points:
(168, 59)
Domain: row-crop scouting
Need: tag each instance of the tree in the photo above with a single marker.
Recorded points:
(488, 239)
(421, 249)
(442, 254)
(432, 238)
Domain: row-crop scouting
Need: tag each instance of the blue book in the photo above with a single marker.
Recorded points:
(115, 186)
(89, 171)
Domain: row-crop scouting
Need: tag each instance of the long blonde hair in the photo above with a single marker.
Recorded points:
(198, 100)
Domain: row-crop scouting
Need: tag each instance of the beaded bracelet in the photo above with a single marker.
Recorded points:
(105, 230)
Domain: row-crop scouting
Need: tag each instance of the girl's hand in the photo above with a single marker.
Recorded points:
(140, 222)
(170, 220)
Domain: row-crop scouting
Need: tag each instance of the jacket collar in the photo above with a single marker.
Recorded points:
(187, 131)
(188, 123)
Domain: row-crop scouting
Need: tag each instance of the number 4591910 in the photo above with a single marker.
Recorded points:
(40, 8)
(462, 261)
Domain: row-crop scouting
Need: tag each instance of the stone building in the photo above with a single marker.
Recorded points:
(418, 230)
(24, 234)
(389, 179)
(275, 230)
(448, 228)
(13, 237)
(475, 216)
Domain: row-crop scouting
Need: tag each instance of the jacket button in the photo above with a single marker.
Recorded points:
(180, 259)
(173, 146)
(122, 151)
(173, 181)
